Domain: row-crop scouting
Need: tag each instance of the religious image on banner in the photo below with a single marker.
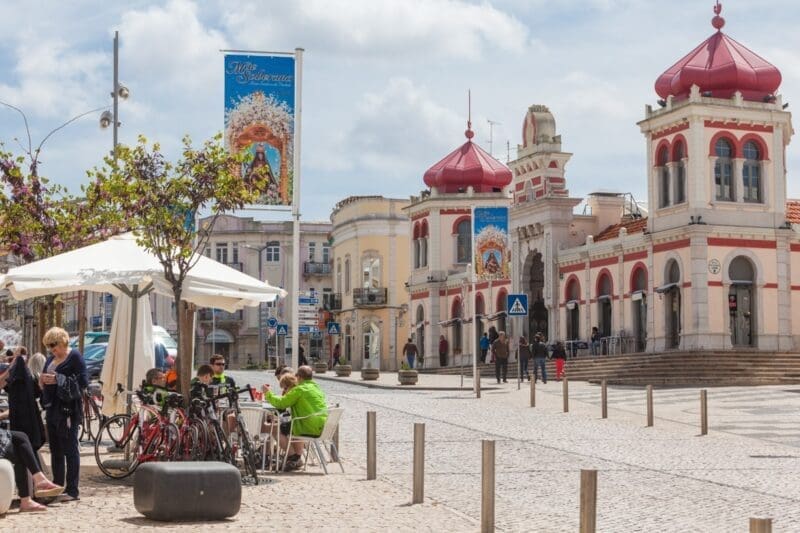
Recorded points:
(491, 243)
(259, 118)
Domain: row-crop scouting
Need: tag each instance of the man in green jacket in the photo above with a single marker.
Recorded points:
(309, 412)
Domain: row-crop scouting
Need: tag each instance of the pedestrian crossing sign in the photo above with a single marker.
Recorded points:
(334, 328)
(517, 304)
(282, 329)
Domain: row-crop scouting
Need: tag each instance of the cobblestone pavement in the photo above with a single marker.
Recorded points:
(664, 478)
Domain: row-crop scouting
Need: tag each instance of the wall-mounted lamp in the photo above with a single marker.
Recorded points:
(661, 102)
(707, 93)
(784, 106)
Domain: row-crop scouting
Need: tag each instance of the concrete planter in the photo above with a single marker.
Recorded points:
(343, 371)
(370, 374)
(320, 367)
(408, 377)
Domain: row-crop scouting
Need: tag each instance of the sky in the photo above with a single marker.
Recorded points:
(384, 82)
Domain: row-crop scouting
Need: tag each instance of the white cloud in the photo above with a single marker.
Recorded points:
(387, 29)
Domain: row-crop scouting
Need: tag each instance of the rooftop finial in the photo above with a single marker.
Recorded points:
(469, 133)
(718, 22)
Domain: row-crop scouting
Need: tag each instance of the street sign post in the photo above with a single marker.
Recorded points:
(334, 328)
(272, 322)
(282, 329)
(517, 306)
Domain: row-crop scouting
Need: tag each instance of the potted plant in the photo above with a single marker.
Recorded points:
(370, 374)
(342, 369)
(320, 366)
(407, 375)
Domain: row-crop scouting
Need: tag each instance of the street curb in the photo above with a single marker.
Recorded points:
(411, 388)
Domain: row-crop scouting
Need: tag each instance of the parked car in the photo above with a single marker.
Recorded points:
(90, 337)
(93, 356)
(161, 335)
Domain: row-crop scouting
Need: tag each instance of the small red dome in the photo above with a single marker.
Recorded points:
(721, 66)
(468, 166)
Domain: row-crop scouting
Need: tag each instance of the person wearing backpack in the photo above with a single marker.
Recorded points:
(524, 357)
(500, 350)
(539, 350)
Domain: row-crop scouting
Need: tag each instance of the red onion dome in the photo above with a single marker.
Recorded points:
(720, 66)
(468, 166)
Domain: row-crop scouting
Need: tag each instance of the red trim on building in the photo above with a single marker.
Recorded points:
(677, 141)
(672, 245)
(442, 292)
(670, 131)
(421, 214)
(714, 283)
(536, 181)
(454, 291)
(458, 221)
(552, 164)
(420, 295)
(482, 285)
(555, 180)
(728, 136)
(603, 262)
(742, 243)
(539, 193)
(662, 147)
(607, 273)
(796, 287)
(686, 284)
(455, 211)
(572, 268)
(634, 256)
(502, 282)
(759, 140)
(518, 187)
(636, 268)
(737, 126)
(568, 285)
(795, 247)
(770, 285)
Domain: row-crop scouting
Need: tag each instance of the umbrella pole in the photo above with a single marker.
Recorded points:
(132, 342)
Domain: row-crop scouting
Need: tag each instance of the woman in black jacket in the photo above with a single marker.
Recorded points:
(22, 392)
(62, 381)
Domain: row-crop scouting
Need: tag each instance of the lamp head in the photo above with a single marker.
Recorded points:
(106, 119)
(123, 92)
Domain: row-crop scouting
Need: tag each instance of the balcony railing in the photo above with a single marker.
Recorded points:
(220, 316)
(235, 266)
(332, 302)
(317, 269)
(368, 297)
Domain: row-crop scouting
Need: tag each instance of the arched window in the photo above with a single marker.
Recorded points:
(605, 291)
(339, 275)
(680, 173)
(347, 278)
(751, 172)
(417, 262)
(464, 241)
(723, 171)
(423, 245)
(501, 306)
(456, 314)
(663, 177)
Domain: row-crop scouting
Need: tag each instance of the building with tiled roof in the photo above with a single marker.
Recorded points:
(714, 263)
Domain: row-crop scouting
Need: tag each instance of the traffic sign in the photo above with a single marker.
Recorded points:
(307, 329)
(334, 328)
(282, 329)
(517, 304)
(305, 300)
(272, 322)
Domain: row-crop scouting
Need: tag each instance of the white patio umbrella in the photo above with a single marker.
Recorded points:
(121, 267)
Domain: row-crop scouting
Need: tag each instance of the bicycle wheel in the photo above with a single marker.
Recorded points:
(92, 420)
(169, 447)
(116, 448)
(222, 446)
(197, 448)
(249, 459)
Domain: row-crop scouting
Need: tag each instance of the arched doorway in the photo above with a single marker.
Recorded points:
(456, 314)
(605, 290)
(672, 305)
(371, 346)
(420, 332)
(639, 307)
(501, 308)
(538, 317)
(573, 309)
(740, 302)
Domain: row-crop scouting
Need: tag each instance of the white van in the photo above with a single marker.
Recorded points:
(161, 335)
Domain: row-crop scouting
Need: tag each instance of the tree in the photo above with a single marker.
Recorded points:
(160, 201)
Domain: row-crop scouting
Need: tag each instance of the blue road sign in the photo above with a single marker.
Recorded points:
(304, 300)
(282, 329)
(307, 329)
(517, 304)
(272, 322)
(334, 328)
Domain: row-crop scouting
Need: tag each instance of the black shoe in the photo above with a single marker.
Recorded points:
(505, 381)
(544, 382)
(498, 382)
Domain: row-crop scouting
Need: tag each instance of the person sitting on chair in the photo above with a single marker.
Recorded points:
(309, 412)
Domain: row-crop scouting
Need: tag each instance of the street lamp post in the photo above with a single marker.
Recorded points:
(261, 341)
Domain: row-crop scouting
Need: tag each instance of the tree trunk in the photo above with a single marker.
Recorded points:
(81, 319)
(185, 319)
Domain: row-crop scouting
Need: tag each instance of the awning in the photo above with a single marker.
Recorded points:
(572, 304)
(219, 336)
(450, 322)
(496, 316)
(604, 297)
(664, 288)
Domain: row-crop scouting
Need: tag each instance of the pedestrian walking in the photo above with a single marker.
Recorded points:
(594, 341)
(500, 351)
(539, 351)
(492, 337)
(443, 347)
(560, 355)
(524, 357)
(410, 351)
(484, 344)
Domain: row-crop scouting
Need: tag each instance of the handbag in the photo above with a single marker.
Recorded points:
(67, 388)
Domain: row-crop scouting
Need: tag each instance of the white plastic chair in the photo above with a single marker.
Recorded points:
(318, 443)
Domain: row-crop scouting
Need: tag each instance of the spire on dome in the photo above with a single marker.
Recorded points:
(469, 134)
(718, 22)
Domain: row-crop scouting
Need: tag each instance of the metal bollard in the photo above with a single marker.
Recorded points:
(418, 494)
(604, 399)
(588, 520)
(703, 412)
(478, 383)
(487, 486)
(649, 406)
(533, 393)
(371, 446)
(761, 525)
(565, 393)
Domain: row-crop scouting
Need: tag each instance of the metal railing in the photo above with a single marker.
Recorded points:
(368, 297)
(332, 302)
(319, 269)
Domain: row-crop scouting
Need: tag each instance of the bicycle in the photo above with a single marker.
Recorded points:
(92, 417)
(147, 435)
(248, 452)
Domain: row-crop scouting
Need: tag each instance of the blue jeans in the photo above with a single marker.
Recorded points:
(65, 451)
(523, 365)
(595, 347)
(410, 358)
(539, 362)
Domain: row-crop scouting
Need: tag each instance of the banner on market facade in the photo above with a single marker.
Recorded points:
(260, 118)
(491, 244)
